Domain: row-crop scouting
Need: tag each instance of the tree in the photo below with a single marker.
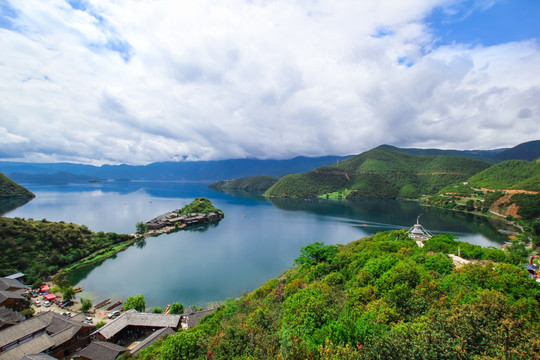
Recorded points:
(86, 304)
(316, 253)
(157, 310)
(141, 227)
(135, 302)
(177, 308)
(68, 293)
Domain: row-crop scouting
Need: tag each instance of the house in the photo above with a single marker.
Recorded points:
(48, 332)
(12, 285)
(11, 291)
(12, 300)
(192, 318)
(9, 317)
(133, 325)
(100, 350)
(156, 335)
(40, 356)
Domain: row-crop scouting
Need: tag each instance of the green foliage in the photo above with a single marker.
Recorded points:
(315, 253)
(140, 227)
(10, 189)
(100, 324)
(157, 310)
(177, 308)
(200, 205)
(86, 305)
(68, 293)
(511, 174)
(40, 248)
(529, 205)
(379, 173)
(380, 297)
(254, 183)
(135, 302)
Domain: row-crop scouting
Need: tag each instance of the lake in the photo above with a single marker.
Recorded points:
(257, 240)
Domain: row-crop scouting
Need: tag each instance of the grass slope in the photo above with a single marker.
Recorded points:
(381, 297)
(379, 173)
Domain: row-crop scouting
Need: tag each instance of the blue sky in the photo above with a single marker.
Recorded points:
(503, 22)
(96, 81)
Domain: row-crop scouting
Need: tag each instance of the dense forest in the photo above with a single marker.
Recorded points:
(10, 189)
(41, 248)
(200, 205)
(511, 174)
(253, 183)
(379, 173)
(381, 297)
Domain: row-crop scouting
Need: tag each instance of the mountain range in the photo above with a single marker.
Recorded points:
(218, 170)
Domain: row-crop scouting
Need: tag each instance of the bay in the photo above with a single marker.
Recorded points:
(257, 240)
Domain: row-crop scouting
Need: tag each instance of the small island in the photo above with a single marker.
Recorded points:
(200, 211)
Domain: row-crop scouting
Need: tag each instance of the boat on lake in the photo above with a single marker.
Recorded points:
(103, 303)
(115, 305)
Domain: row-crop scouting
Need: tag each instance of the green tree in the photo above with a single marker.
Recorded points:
(141, 227)
(68, 293)
(135, 302)
(177, 308)
(86, 305)
(315, 253)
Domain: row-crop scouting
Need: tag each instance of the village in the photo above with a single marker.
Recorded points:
(60, 330)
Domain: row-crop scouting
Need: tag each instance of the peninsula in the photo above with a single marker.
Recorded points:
(200, 211)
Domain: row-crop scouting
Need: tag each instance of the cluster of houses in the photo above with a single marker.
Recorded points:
(172, 219)
(50, 335)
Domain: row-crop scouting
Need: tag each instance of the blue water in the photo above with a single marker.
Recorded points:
(256, 241)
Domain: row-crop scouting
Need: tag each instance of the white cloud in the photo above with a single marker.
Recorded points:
(136, 82)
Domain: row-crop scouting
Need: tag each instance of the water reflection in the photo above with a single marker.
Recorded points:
(6, 205)
(257, 240)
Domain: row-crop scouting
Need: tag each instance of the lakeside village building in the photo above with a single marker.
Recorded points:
(172, 219)
(50, 335)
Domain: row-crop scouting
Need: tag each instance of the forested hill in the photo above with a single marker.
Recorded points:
(379, 173)
(10, 189)
(254, 183)
(381, 297)
(512, 174)
(40, 248)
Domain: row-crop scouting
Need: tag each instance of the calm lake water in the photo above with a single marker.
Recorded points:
(256, 241)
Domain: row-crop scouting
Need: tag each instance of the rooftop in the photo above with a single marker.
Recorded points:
(134, 318)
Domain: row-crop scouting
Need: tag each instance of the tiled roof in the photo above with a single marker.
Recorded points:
(156, 335)
(101, 350)
(134, 318)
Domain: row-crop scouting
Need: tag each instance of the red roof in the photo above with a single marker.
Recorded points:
(50, 297)
(44, 288)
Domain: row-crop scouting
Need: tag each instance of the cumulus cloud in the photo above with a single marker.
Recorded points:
(102, 81)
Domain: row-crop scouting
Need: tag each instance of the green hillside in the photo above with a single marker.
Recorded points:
(40, 248)
(381, 297)
(10, 189)
(379, 173)
(253, 183)
(511, 174)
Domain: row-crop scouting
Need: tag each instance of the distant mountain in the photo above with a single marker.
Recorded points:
(177, 171)
(527, 151)
(511, 174)
(10, 189)
(254, 183)
(379, 173)
(483, 155)
(59, 178)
